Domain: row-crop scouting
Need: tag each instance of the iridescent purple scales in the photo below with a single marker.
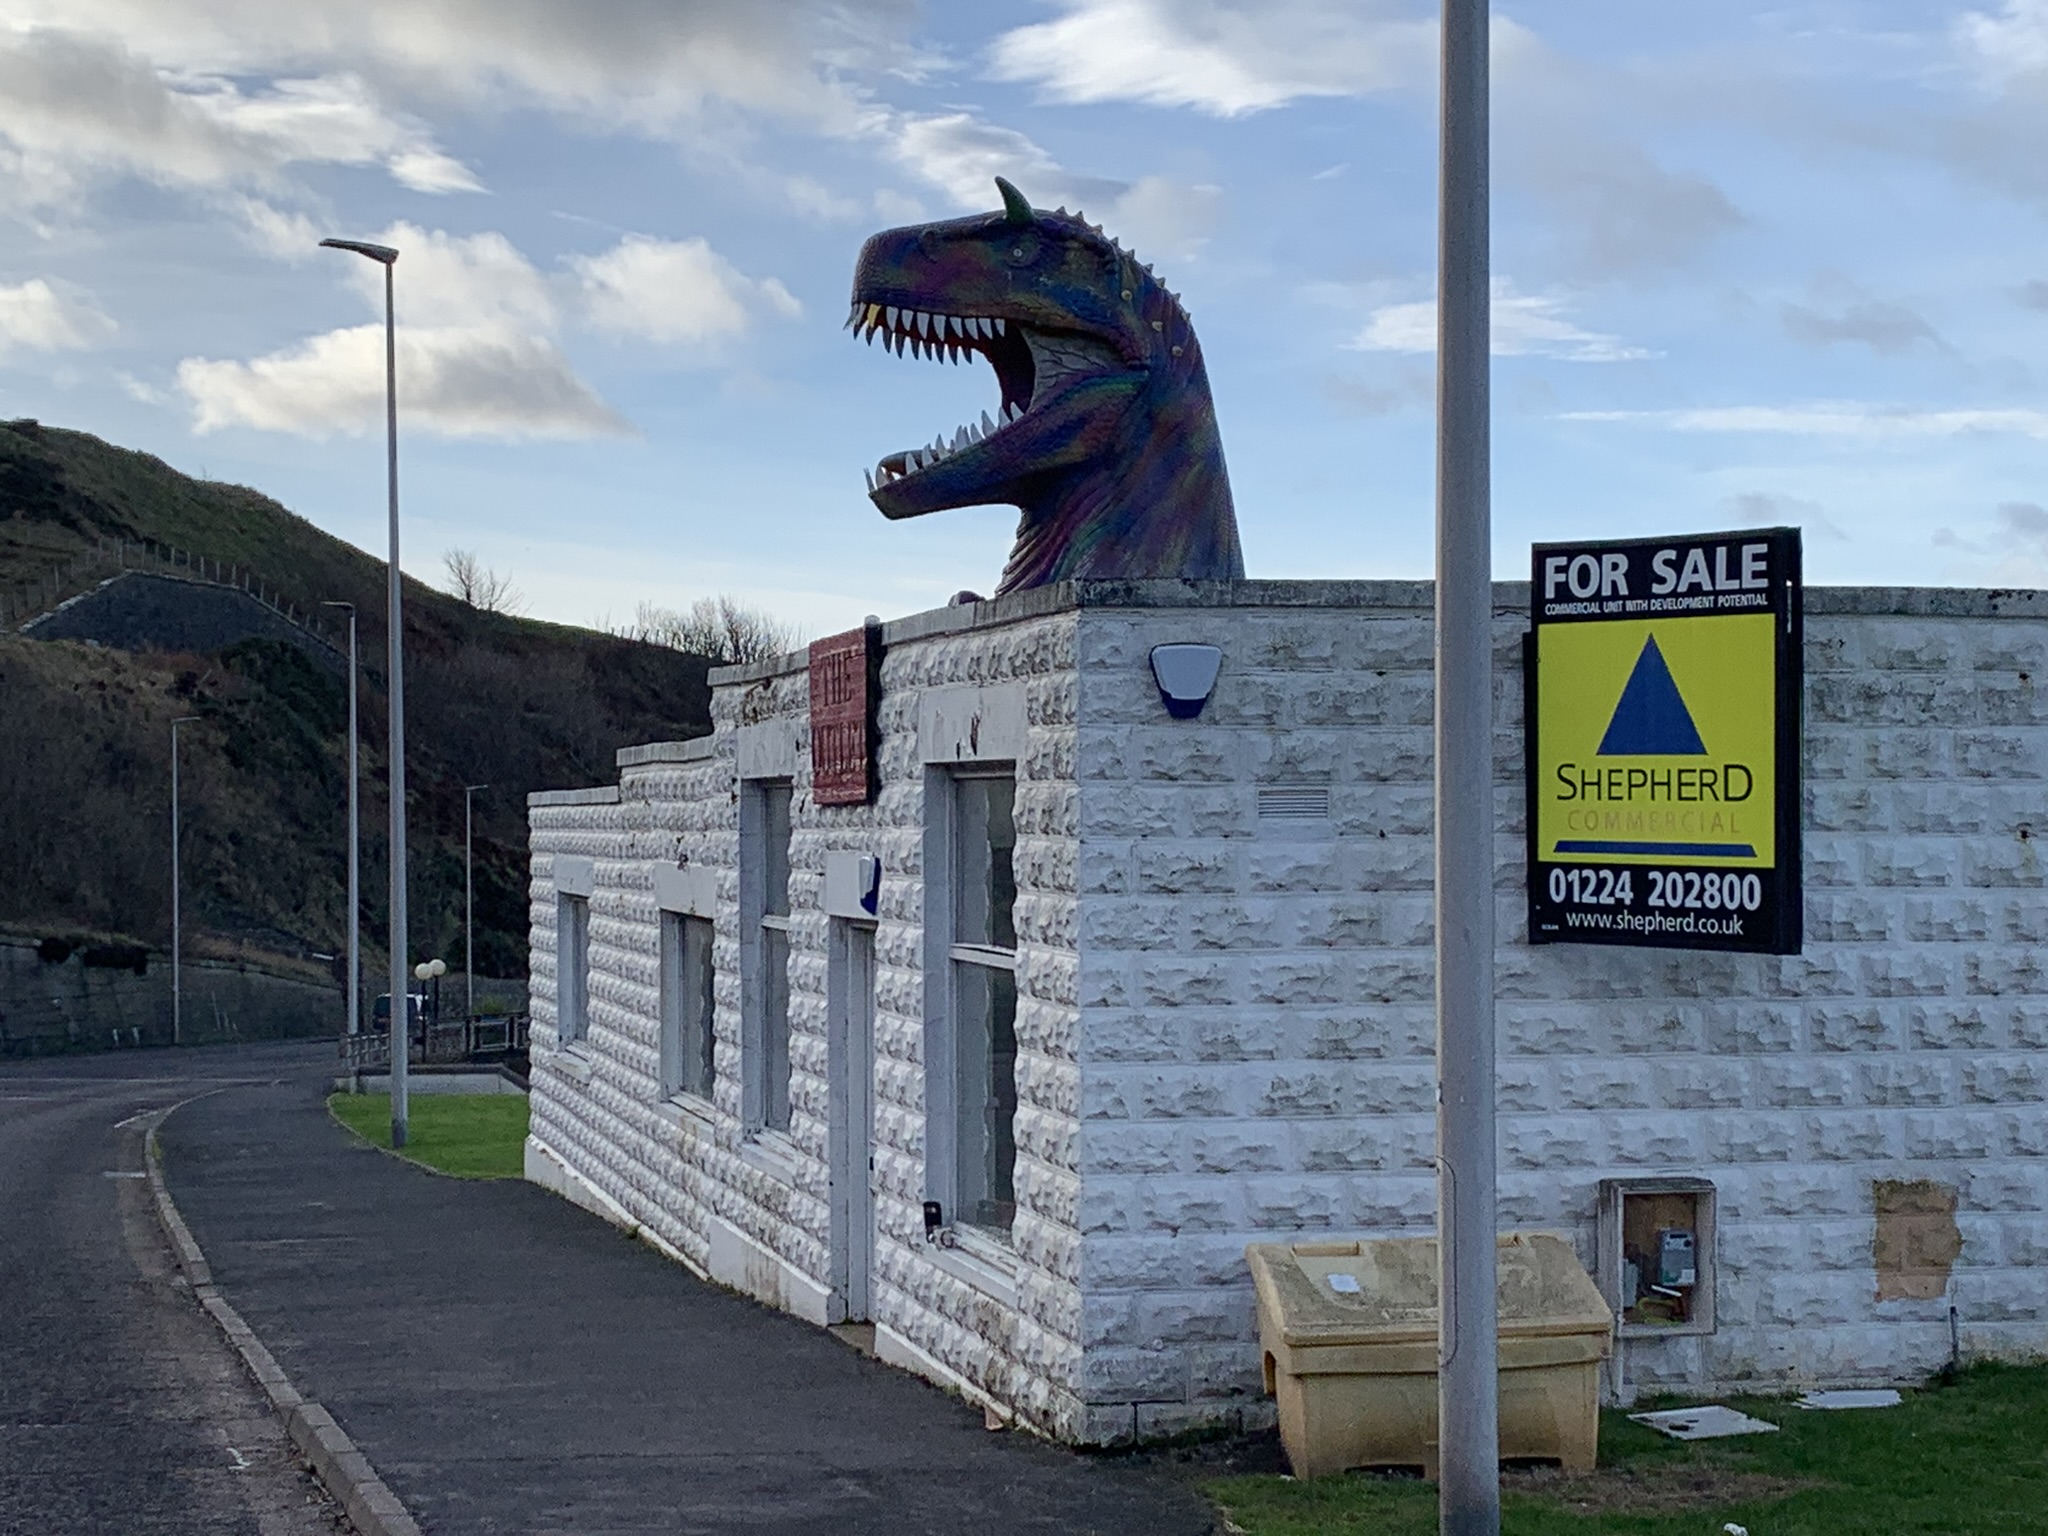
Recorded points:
(1106, 439)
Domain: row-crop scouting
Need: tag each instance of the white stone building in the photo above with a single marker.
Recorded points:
(1138, 990)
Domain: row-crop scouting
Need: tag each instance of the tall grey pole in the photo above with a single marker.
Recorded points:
(401, 1016)
(177, 899)
(469, 903)
(401, 1023)
(1468, 1382)
(355, 949)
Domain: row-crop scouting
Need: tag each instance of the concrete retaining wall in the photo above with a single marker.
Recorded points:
(69, 1006)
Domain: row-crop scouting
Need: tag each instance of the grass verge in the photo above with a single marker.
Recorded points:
(471, 1136)
(1967, 1459)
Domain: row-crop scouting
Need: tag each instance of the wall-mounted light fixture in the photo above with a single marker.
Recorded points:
(1186, 675)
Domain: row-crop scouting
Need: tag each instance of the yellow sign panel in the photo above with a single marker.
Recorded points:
(1657, 740)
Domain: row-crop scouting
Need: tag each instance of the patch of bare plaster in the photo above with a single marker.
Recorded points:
(1917, 1239)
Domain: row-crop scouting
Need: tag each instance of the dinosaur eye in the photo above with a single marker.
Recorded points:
(1022, 250)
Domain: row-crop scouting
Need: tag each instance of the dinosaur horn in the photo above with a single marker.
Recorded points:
(1014, 207)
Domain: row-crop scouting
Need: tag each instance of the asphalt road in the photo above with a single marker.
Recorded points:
(122, 1410)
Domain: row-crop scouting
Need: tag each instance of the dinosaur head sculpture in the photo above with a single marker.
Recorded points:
(1106, 436)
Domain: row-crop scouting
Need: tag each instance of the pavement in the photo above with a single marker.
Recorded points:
(121, 1408)
(510, 1363)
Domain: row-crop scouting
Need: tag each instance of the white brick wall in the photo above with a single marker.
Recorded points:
(1226, 1020)
(678, 1174)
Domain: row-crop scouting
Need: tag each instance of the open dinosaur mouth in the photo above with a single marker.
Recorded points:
(948, 338)
(1027, 365)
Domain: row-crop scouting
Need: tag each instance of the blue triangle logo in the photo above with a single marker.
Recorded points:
(1651, 719)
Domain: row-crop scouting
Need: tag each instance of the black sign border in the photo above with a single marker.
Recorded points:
(1788, 934)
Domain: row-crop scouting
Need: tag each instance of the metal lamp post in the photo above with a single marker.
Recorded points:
(355, 953)
(469, 904)
(177, 894)
(387, 257)
(1468, 1382)
(430, 970)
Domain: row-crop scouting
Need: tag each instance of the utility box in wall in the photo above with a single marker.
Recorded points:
(1348, 1332)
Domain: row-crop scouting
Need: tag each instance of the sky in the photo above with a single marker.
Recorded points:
(1753, 265)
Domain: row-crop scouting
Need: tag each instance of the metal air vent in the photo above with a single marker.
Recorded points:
(1294, 802)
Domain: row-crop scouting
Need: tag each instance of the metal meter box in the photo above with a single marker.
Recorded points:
(1677, 1258)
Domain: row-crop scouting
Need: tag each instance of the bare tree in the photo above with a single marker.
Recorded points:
(478, 585)
(720, 627)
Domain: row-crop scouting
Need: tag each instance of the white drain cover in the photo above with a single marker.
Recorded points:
(1876, 1397)
(1710, 1422)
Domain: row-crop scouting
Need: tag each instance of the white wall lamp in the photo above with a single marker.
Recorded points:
(1186, 675)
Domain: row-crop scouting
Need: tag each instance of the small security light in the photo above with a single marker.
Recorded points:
(1186, 675)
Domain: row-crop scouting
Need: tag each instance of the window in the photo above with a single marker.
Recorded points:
(686, 1005)
(764, 837)
(984, 1001)
(572, 968)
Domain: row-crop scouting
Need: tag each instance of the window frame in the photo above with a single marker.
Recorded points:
(572, 969)
(689, 1036)
(764, 951)
(948, 958)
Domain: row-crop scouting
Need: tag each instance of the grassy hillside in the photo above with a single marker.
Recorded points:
(84, 759)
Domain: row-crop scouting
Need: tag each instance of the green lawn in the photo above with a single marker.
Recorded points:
(1970, 1459)
(472, 1136)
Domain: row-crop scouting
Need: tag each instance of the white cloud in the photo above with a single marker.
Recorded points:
(1222, 58)
(2013, 41)
(2012, 551)
(471, 381)
(651, 64)
(1524, 325)
(476, 354)
(961, 154)
(1840, 419)
(476, 340)
(1839, 310)
(76, 110)
(674, 291)
(35, 317)
(1565, 132)
(449, 280)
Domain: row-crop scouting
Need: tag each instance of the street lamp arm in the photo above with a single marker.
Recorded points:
(384, 253)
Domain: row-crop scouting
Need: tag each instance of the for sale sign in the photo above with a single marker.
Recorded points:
(1663, 742)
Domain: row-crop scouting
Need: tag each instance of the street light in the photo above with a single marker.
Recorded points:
(177, 915)
(430, 970)
(355, 952)
(1468, 1381)
(469, 903)
(385, 256)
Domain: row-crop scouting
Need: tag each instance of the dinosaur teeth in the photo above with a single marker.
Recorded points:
(890, 314)
(987, 426)
(869, 476)
(924, 323)
(998, 325)
(952, 325)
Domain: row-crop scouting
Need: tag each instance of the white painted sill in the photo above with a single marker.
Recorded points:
(573, 1062)
(979, 1259)
(686, 1112)
(773, 1153)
